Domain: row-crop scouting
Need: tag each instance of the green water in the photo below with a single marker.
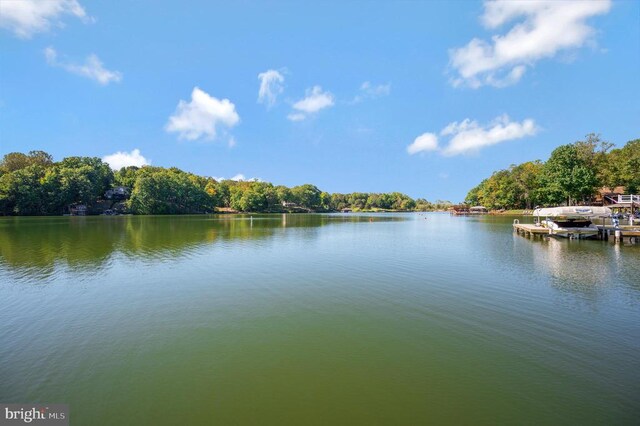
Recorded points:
(317, 319)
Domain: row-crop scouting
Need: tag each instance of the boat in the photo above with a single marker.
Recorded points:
(571, 221)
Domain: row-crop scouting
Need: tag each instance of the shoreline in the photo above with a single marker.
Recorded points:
(229, 211)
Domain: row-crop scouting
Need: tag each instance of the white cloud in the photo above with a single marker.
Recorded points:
(543, 28)
(296, 116)
(424, 142)
(369, 91)
(27, 17)
(315, 100)
(125, 159)
(379, 90)
(92, 67)
(270, 87)
(238, 178)
(200, 117)
(468, 136)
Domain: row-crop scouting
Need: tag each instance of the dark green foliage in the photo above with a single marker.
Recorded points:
(17, 161)
(22, 193)
(572, 174)
(32, 184)
(623, 166)
(567, 177)
(307, 195)
(126, 176)
(169, 191)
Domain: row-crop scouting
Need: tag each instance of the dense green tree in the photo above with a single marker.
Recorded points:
(251, 200)
(17, 160)
(307, 196)
(21, 192)
(567, 177)
(339, 201)
(73, 180)
(573, 173)
(44, 187)
(358, 200)
(14, 161)
(126, 176)
(169, 191)
(284, 194)
(523, 185)
(623, 167)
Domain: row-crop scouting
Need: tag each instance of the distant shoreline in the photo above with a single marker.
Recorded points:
(33, 184)
(228, 211)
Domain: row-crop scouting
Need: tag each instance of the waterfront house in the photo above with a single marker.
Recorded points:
(607, 196)
(117, 193)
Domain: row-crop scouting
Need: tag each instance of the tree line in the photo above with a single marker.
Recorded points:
(573, 174)
(33, 184)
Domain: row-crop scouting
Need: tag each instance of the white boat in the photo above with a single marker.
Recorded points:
(571, 221)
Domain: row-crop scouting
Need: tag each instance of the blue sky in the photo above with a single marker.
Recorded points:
(426, 98)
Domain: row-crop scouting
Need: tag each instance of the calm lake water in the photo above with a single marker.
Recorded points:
(317, 319)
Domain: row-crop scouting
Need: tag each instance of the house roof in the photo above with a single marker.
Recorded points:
(605, 190)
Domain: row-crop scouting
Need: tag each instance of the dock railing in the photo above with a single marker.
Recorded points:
(626, 199)
(629, 199)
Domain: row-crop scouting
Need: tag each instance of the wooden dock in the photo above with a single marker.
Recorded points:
(619, 234)
(529, 229)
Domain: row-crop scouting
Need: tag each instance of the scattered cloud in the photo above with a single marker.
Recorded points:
(363, 130)
(91, 69)
(315, 100)
(542, 28)
(27, 17)
(369, 91)
(238, 178)
(468, 136)
(296, 116)
(201, 117)
(125, 159)
(271, 85)
(423, 143)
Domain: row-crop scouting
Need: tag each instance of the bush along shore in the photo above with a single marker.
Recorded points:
(34, 184)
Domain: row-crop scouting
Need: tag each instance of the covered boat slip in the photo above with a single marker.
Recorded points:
(619, 234)
(573, 212)
(570, 221)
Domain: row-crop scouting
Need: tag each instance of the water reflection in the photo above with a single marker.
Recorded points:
(37, 245)
(575, 263)
(586, 267)
(588, 270)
